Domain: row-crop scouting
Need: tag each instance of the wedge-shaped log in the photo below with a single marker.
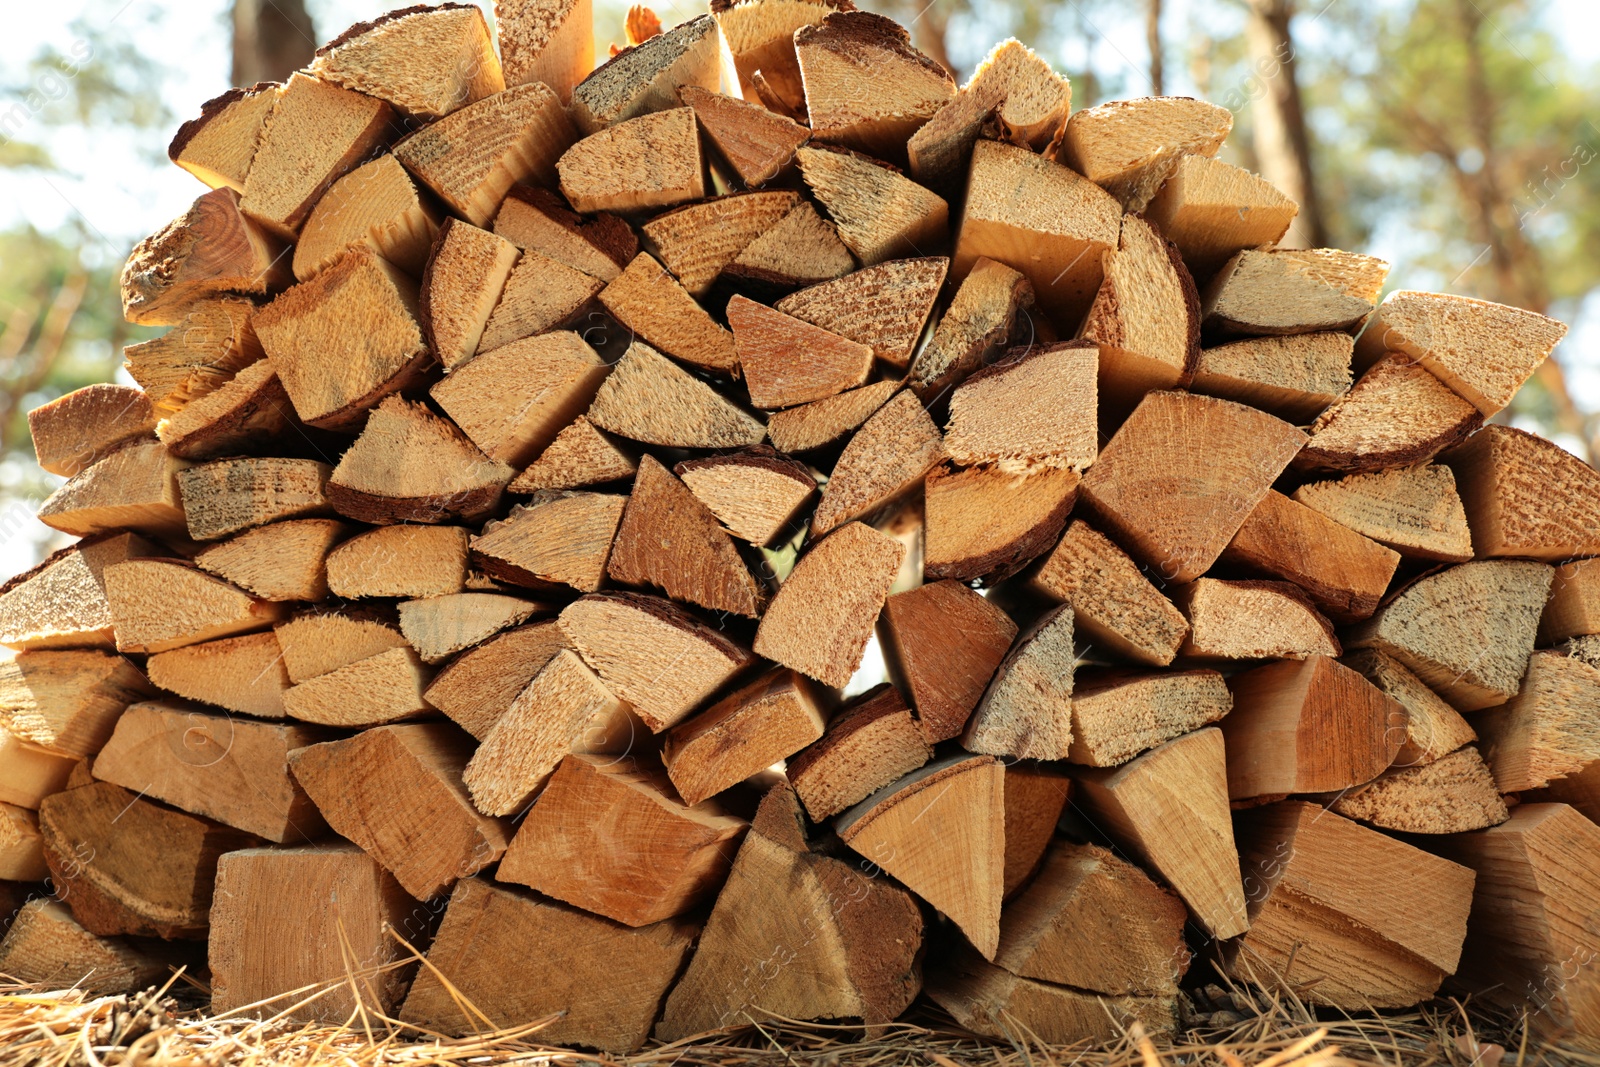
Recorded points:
(1213, 210)
(549, 41)
(382, 688)
(1036, 795)
(478, 686)
(465, 274)
(1244, 620)
(539, 220)
(767, 721)
(1117, 714)
(760, 37)
(1369, 921)
(787, 361)
(984, 524)
(541, 294)
(650, 399)
(376, 206)
(21, 846)
(697, 241)
(1526, 497)
(1397, 414)
(278, 561)
(651, 161)
(400, 561)
(211, 249)
(975, 328)
(440, 626)
(1295, 378)
(756, 494)
(67, 701)
(1293, 290)
(1433, 729)
(61, 603)
(558, 539)
(884, 306)
(1573, 609)
(1026, 711)
(646, 78)
(802, 249)
(1452, 795)
(1032, 410)
(868, 744)
(218, 145)
(658, 310)
(1130, 147)
(943, 643)
(758, 145)
(46, 946)
(1414, 510)
(823, 423)
(426, 61)
(1547, 731)
(880, 213)
(244, 674)
(210, 342)
(158, 604)
(29, 774)
(134, 488)
(72, 431)
(992, 1001)
(226, 496)
(323, 639)
(1169, 808)
(1343, 573)
(580, 456)
(244, 414)
(885, 460)
(232, 770)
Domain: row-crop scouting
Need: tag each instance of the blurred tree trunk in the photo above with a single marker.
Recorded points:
(271, 40)
(1152, 36)
(1278, 123)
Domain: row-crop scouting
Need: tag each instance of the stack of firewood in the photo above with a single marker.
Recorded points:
(471, 603)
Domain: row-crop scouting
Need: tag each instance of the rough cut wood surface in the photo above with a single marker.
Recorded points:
(651, 161)
(787, 361)
(1294, 377)
(696, 242)
(1433, 729)
(1573, 609)
(1118, 713)
(1452, 795)
(802, 249)
(1526, 497)
(1129, 147)
(649, 399)
(133, 488)
(1036, 796)
(67, 700)
(984, 524)
(1026, 710)
(868, 743)
(540, 294)
(476, 687)
(381, 688)
(1212, 210)
(61, 603)
(426, 61)
(539, 220)
(1249, 619)
(1397, 414)
(377, 206)
(74, 430)
(1545, 731)
(1290, 291)
(211, 249)
(557, 539)
(219, 144)
(549, 41)
(645, 79)
(244, 674)
(1414, 510)
(657, 309)
(741, 735)
(158, 604)
(322, 639)
(757, 494)
(278, 561)
(756, 143)
(46, 945)
(227, 496)
(881, 214)
(1032, 410)
(943, 643)
(884, 305)
(887, 458)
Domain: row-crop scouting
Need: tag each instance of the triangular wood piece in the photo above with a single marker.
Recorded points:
(1293, 290)
(881, 214)
(67, 701)
(756, 143)
(869, 743)
(320, 640)
(1452, 795)
(787, 361)
(541, 294)
(226, 496)
(545, 41)
(650, 399)
(218, 145)
(209, 250)
(1433, 729)
(942, 643)
(538, 220)
(886, 458)
(72, 431)
(157, 604)
(801, 249)
(476, 687)
(1033, 410)
(1026, 712)
(985, 524)
(697, 241)
(1129, 147)
(825, 422)
(760, 37)
(22, 857)
(1245, 620)
(242, 415)
(1036, 796)
(941, 831)
(210, 343)
(742, 734)
(1527, 497)
(1213, 210)
(974, 329)
(1414, 510)
(1117, 714)
(652, 161)
(657, 309)
(47, 946)
(440, 626)
(426, 61)
(383, 688)
(461, 286)
(1397, 414)
(243, 674)
(278, 561)
(756, 494)
(61, 603)
(580, 456)
(885, 306)
(134, 488)
(376, 206)
(1294, 378)
(556, 539)
(646, 78)
(1547, 730)
(400, 561)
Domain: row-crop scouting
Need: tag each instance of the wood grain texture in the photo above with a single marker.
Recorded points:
(787, 361)
(1526, 497)
(45, 945)
(973, 331)
(1118, 713)
(1213, 210)
(1292, 290)
(1454, 794)
(67, 701)
(1573, 609)
(868, 743)
(990, 1000)
(652, 161)
(160, 604)
(244, 674)
(211, 341)
(477, 687)
(61, 602)
(72, 431)
(321, 639)
(1294, 377)
(885, 460)
(580, 456)
(539, 220)
(758, 145)
(376, 206)
(647, 398)
(823, 423)
(1246, 620)
(134, 488)
(742, 734)
(697, 242)
(656, 308)
(557, 539)
(1026, 710)
(213, 248)
(399, 561)
(1130, 147)
(985, 524)
(943, 643)
(278, 561)
(218, 145)
(226, 496)
(540, 294)
(380, 688)
(549, 41)
(463, 278)
(880, 213)
(1397, 414)
(426, 61)
(1433, 729)
(884, 305)
(1414, 510)
(757, 494)
(1032, 410)
(645, 79)
(1546, 731)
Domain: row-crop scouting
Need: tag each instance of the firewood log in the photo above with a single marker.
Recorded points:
(426, 61)
(1526, 497)
(67, 701)
(943, 643)
(45, 945)
(244, 674)
(1213, 210)
(61, 603)
(1414, 510)
(884, 305)
(1117, 714)
(210, 250)
(218, 145)
(545, 41)
(869, 743)
(757, 145)
(645, 79)
(1295, 378)
(72, 431)
(1130, 147)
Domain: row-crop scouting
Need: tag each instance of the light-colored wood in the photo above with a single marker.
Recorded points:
(1586, 648)
(1482, 351)
(1114, 605)
(609, 836)
(440, 626)
(1310, 726)
(580, 456)
(244, 674)
(847, 944)
(669, 539)
(410, 465)
(645, 79)
(29, 774)
(1293, 290)
(823, 614)
(1580, 789)
(757, 494)
(160, 604)
(218, 145)
(1432, 729)
(316, 132)
(399, 561)
(1344, 573)
(45, 945)
(866, 86)
(1467, 632)
(697, 241)
(1413, 510)
(880, 213)
(1526, 497)
(465, 274)
(74, 430)
(235, 771)
(278, 561)
(377, 206)
(885, 305)
(1397, 414)
(67, 701)
(653, 654)
(1026, 711)
(825, 422)
(478, 686)
(984, 524)
(787, 361)
(1366, 920)
(1213, 210)
(539, 220)
(974, 330)
(131, 866)
(1033, 410)
(541, 294)
(1246, 620)
(647, 398)
(1294, 377)
(396, 791)
(1130, 147)
(802, 249)
(312, 916)
(426, 61)
(1573, 608)
(21, 847)
(382, 688)
(211, 249)
(1036, 795)
(566, 708)
(942, 643)
(760, 39)
(940, 830)
(651, 161)
(224, 497)
(242, 415)
(886, 459)
(472, 157)
(61, 602)
(1169, 808)
(323, 639)
(868, 744)
(654, 307)
(741, 735)
(1452, 795)
(1117, 714)
(134, 488)
(993, 1002)
(1547, 731)
(213, 340)
(549, 41)
(1176, 506)
(757, 144)
(516, 958)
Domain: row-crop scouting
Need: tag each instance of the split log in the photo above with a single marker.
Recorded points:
(802, 249)
(869, 743)
(426, 61)
(1343, 573)
(344, 340)
(1113, 604)
(72, 431)
(645, 79)
(67, 701)
(1581, 789)
(659, 311)
(885, 460)
(741, 735)
(580, 456)
(940, 830)
(539, 220)
(823, 614)
(244, 674)
(557, 539)
(134, 488)
(410, 465)
(396, 791)
(1130, 147)
(1026, 711)
(756, 494)
(1036, 795)
(1547, 731)
(1467, 632)
(881, 214)
(335, 905)
(549, 41)
(1175, 506)
(245, 414)
(218, 145)
(1169, 808)
(1413, 510)
(478, 686)
(465, 274)
(1032, 410)
(29, 774)
(375, 206)
(1344, 730)
(316, 133)
(787, 361)
(131, 866)
(1526, 497)
(609, 836)
(974, 329)
(884, 306)
(384, 687)
(1295, 378)
(61, 603)
(822, 423)
(1482, 351)
(1291, 291)
(652, 161)
(697, 241)
(1454, 794)
(1432, 729)
(21, 847)
(760, 38)
(212, 249)
(323, 639)
(46, 946)
(212, 340)
(541, 294)
(992, 1001)
(1118, 714)
(508, 957)
(1213, 210)
(943, 643)
(649, 399)
(758, 145)
(653, 654)
(985, 524)
(399, 561)
(232, 770)
(278, 561)
(1397, 414)
(669, 539)
(1348, 917)
(226, 496)
(440, 626)
(159, 604)
(1573, 609)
